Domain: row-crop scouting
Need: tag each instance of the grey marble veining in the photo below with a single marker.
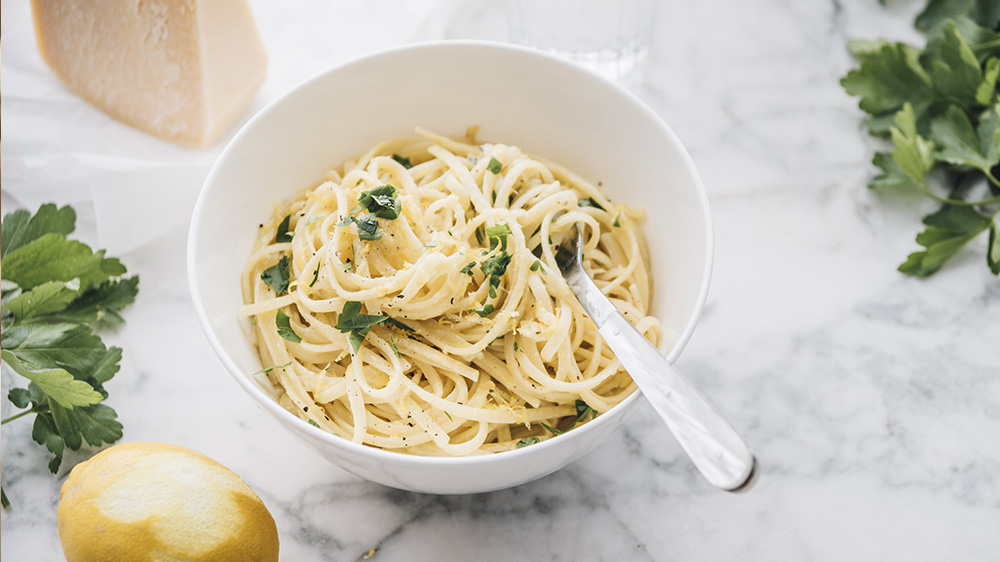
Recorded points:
(872, 399)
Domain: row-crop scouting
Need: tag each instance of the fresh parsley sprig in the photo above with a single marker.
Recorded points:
(54, 292)
(940, 108)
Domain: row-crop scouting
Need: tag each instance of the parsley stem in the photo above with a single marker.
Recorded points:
(986, 45)
(22, 414)
(961, 202)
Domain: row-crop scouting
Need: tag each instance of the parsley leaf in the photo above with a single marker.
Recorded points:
(527, 441)
(889, 76)
(986, 12)
(21, 227)
(590, 202)
(468, 269)
(266, 370)
(961, 145)
(58, 384)
(948, 230)
(552, 430)
(955, 71)
(315, 278)
(398, 324)
(497, 235)
(494, 167)
(381, 202)
(44, 299)
(351, 320)
(101, 303)
(912, 152)
(892, 176)
(496, 266)
(277, 276)
(282, 234)
(484, 310)
(64, 260)
(368, 228)
(402, 160)
(583, 410)
(284, 326)
(537, 266)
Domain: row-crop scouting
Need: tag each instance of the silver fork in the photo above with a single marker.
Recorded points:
(719, 453)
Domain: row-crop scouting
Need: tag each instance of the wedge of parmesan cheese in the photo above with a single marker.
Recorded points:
(182, 70)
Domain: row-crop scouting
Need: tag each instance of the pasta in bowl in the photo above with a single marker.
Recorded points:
(469, 341)
(513, 353)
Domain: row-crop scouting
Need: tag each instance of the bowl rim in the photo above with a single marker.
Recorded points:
(272, 406)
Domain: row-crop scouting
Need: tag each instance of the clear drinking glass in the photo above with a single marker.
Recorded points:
(610, 36)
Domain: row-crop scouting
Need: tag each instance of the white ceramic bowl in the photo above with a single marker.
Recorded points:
(546, 106)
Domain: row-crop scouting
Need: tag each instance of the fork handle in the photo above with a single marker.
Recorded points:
(714, 447)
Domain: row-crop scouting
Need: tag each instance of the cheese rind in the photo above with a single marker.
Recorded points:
(182, 70)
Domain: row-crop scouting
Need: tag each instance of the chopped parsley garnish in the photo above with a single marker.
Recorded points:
(496, 265)
(402, 160)
(312, 422)
(527, 441)
(276, 277)
(583, 410)
(449, 416)
(400, 325)
(368, 228)
(381, 202)
(498, 236)
(485, 310)
(552, 430)
(282, 235)
(479, 234)
(392, 342)
(285, 327)
(468, 269)
(272, 367)
(352, 321)
(315, 276)
(346, 266)
(590, 202)
(537, 266)
(617, 222)
(494, 166)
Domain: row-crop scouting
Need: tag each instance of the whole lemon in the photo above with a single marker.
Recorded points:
(156, 502)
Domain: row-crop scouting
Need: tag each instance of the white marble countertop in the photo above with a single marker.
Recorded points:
(871, 398)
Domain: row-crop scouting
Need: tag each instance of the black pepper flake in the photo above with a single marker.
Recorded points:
(305, 408)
